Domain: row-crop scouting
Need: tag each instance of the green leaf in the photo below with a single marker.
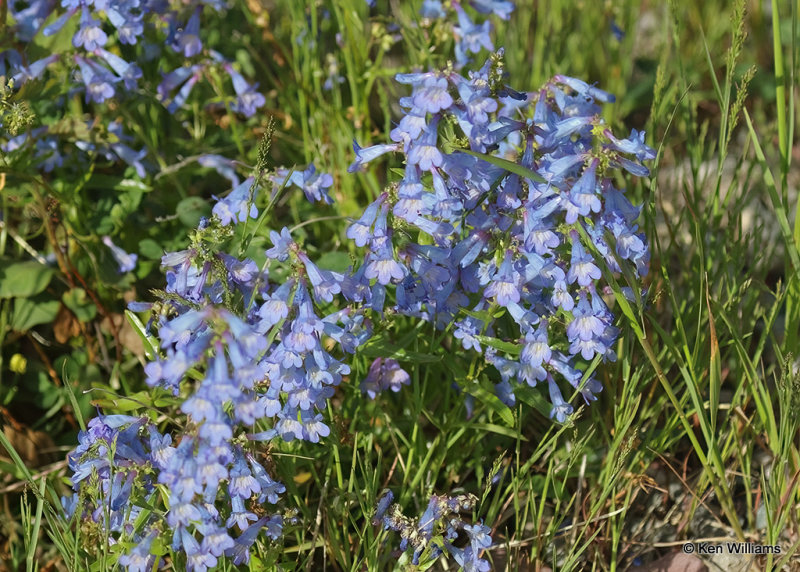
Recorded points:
(379, 347)
(24, 279)
(335, 260)
(509, 166)
(534, 398)
(149, 343)
(30, 312)
(123, 403)
(149, 248)
(499, 429)
(507, 347)
(81, 305)
(117, 184)
(191, 209)
(490, 400)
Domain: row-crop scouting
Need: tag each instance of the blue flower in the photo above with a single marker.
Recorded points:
(364, 156)
(139, 558)
(561, 409)
(505, 286)
(90, 35)
(432, 97)
(360, 230)
(502, 8)
(582, 268)
(472, 37)
(315, 185)
(384, 374)
(126, 262)
(187, 39)
(237, 206)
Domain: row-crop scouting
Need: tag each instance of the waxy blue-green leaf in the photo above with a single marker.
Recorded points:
(507, 165)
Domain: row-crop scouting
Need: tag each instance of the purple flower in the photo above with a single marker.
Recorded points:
(384, 374)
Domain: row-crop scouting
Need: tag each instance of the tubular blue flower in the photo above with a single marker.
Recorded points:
(584, 89)
(501, 8)
(472, 37)
(240, 552)
(129, 73)
(248, 100)
(585, 324)
(410, 127)
(139, 558)
(359, 231)
(505, 287)
(383, 505)
(216, 540)
(365, 155)
(384, 374)
(126, 262)
(583, 198)
(98, 81)
(282, 244)
(187, 39)
(432, 96)
(315, 185)
(237, 206)
(129, 25)
(633, 145)
(33, 71)
(582, 269)
(242, 482)
(90, 35)
(314, 428)
(561, 409)
(423, 152)
(432, 9)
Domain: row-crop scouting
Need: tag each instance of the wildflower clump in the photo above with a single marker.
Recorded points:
(437, 530)
(508, 211)
(496, 233)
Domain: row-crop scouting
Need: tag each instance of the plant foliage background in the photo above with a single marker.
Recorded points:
(134, 133)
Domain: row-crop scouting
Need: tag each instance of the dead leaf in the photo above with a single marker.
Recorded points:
(65, 326)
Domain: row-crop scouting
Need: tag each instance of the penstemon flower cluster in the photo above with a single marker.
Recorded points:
(437, 529)
(501, 189)
(105, 32)
(497, 233)
(106, 74)
(241, 352)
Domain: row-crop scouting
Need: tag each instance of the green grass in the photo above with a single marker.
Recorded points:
(696, 431)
